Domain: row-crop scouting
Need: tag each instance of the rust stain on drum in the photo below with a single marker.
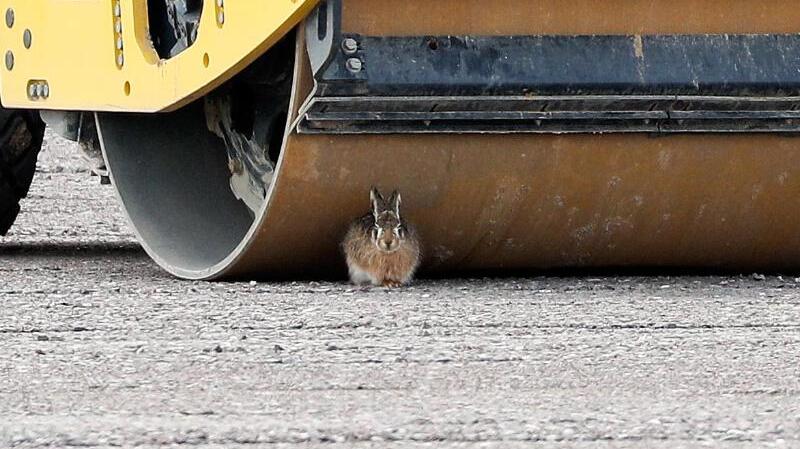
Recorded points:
(628, 17)
(548, 201)
(540, 201)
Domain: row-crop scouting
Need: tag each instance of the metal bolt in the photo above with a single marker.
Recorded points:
(39, 90)
(118, 26)
(9, 60)
(27, 38)
(32, 91)
(349, 46)
(119, 43)
(221, 17)
(9, 17)
(220, 3)
(354, 65)
(117, 9)
(46, 90)
(120, 60)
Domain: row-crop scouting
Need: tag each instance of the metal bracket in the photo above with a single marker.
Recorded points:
(323, 31)
(559, 84)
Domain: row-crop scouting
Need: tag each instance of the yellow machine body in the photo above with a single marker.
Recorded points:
(96, 55)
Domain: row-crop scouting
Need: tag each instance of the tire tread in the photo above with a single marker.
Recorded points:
(17, 170)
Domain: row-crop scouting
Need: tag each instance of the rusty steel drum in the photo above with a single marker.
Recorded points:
(479, 201)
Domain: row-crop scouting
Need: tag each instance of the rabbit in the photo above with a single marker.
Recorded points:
(381, 248)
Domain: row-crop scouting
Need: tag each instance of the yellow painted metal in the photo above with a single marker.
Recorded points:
(75, 51)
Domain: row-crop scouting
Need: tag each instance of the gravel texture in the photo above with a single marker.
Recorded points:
(98, 347)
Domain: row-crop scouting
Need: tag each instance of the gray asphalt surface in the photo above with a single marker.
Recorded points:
(99, 348)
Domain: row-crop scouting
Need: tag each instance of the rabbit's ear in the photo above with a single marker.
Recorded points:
(394, 203)
(377, 201)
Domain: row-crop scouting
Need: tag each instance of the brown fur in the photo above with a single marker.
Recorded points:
(389, 269)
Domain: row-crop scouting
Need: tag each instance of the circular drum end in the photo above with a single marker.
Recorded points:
(171, 175)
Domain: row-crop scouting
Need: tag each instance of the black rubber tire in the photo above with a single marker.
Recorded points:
(21, 135)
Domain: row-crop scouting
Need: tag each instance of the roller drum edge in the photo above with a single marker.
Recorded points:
(479, 201)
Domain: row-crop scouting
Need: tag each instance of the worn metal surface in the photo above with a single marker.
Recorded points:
(481, 202)
(516, 202)
(580, 17)
(549, 115)
(543, 201)
(536, 65)
(553, 84)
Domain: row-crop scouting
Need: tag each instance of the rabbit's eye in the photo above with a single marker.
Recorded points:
(400, 232)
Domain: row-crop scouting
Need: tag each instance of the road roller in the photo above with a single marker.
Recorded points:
(243, 136)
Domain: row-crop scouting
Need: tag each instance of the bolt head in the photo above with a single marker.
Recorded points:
(46, 90)
(118, 26)
(119, 43)
(355, 65)
(221, 17)
(220, 3)
(117, 9)
(9, 17)
(120, 60)
(32, 91)
(349, 46)
(27, 38)
(39, 90)
(9, 60)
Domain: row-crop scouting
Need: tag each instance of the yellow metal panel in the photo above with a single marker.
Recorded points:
(74, 54)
